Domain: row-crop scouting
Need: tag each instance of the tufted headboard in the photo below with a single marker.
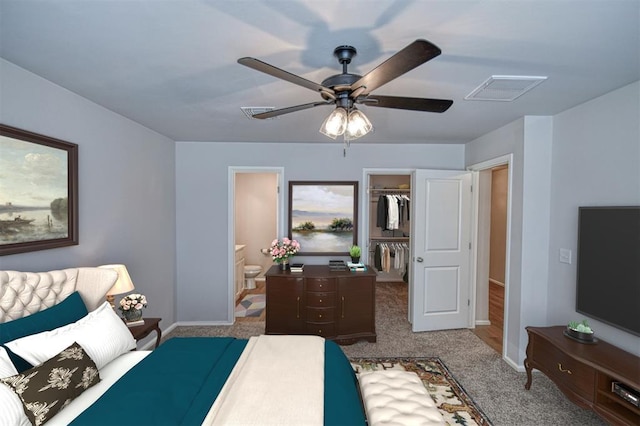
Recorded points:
(25, 293)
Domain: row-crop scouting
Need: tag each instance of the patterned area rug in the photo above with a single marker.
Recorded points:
(451, 399)
(251, 305)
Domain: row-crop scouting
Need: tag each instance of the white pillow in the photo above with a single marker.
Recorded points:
(101, 333)
(11, 408)
(7, 369)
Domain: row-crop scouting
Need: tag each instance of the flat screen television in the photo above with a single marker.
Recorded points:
(608, 276)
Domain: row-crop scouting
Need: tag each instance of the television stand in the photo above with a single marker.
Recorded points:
(585, 372)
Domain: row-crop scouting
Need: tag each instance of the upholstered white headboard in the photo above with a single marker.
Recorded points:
(25, 293)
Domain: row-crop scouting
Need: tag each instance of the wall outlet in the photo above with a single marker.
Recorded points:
(565, 256)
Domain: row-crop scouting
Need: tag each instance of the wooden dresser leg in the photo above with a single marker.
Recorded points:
(528, 368)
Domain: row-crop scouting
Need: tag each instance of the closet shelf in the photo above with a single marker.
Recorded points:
(390, 190)
(390, 239)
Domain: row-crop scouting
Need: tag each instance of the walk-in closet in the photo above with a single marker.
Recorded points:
(390, 226)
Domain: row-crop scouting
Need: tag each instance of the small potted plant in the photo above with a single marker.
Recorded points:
(580, 331)
(355, 252)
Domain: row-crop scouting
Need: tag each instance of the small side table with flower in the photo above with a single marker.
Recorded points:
(131, 306)
(281, 251)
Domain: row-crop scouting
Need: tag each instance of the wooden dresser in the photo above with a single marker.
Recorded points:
(585, 372)
(336, 305)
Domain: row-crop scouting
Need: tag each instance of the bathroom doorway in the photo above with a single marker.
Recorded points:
(255, 219)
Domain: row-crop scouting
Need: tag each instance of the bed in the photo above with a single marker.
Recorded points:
(49, 319)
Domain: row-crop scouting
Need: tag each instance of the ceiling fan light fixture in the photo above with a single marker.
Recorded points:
(358, 125)
(335, 124)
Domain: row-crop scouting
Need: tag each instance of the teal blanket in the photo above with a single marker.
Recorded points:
(177, 383)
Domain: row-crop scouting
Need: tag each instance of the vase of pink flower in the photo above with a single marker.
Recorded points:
(282, 250)
(131, 306)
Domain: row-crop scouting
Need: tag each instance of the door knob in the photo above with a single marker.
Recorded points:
(419, 259)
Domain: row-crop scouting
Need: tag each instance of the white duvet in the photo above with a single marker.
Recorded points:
(264, 384)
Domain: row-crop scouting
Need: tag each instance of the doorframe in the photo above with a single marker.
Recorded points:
(231, 223)
(476, 200)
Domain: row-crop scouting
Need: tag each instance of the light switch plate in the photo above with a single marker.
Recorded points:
(565, 256)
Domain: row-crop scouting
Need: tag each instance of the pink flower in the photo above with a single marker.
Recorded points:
(282, 250)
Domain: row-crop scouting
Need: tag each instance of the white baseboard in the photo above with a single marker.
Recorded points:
(483, 322)
(149, 345)
(196, 323)
(514, 365)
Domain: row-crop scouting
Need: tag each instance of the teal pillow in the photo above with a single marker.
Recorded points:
(66, 312)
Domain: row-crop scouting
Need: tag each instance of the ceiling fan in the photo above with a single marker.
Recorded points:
(346, 89)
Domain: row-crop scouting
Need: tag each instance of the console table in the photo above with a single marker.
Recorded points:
(585, 372)
(337, 305)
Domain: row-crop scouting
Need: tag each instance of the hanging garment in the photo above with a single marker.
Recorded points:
(398, 256)
(386, 258)
(377, 257)
(382, 212)
(401, 212)
(392, 220)
(407, 206)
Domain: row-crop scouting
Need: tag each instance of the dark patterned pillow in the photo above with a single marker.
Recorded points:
(48, 388)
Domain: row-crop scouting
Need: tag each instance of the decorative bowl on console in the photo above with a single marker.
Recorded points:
(580, 332)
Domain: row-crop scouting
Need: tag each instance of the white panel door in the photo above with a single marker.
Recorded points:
(441, 249)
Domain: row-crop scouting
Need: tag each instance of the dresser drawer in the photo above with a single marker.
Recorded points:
(321, 314)
(565, 370)
(323, 329)
(321, 300)
(321, 284)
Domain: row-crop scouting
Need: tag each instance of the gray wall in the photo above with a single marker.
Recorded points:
(126, 187)
(508, 140)
(202, 193)
(596, 162)
(587, 155)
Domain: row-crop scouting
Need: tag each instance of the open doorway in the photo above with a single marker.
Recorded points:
(492, 262)
(255, 220)
(380, 241)
(491, 331)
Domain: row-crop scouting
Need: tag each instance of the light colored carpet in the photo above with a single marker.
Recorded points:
(492, 383)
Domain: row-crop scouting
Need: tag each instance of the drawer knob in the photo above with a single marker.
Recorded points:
(563, 370)
(319, 315)
(320, 300)
(319, 331)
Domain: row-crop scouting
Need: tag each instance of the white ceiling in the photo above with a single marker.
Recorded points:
(171, 65)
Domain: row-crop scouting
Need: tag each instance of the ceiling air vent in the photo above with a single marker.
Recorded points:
(251, 111)
(504, 88)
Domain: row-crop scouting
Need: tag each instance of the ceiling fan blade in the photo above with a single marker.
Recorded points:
(415, 104)
(417, 53)
(282, 111)
(258, 65)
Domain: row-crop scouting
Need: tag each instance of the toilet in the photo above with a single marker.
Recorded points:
(250, 274)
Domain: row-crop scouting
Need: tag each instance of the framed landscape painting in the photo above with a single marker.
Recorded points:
(323, 216)
(38, 192)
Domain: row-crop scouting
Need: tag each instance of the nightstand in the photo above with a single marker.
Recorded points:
(141, 331)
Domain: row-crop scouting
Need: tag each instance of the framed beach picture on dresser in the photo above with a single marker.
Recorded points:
(323, 216)
(38, 192)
